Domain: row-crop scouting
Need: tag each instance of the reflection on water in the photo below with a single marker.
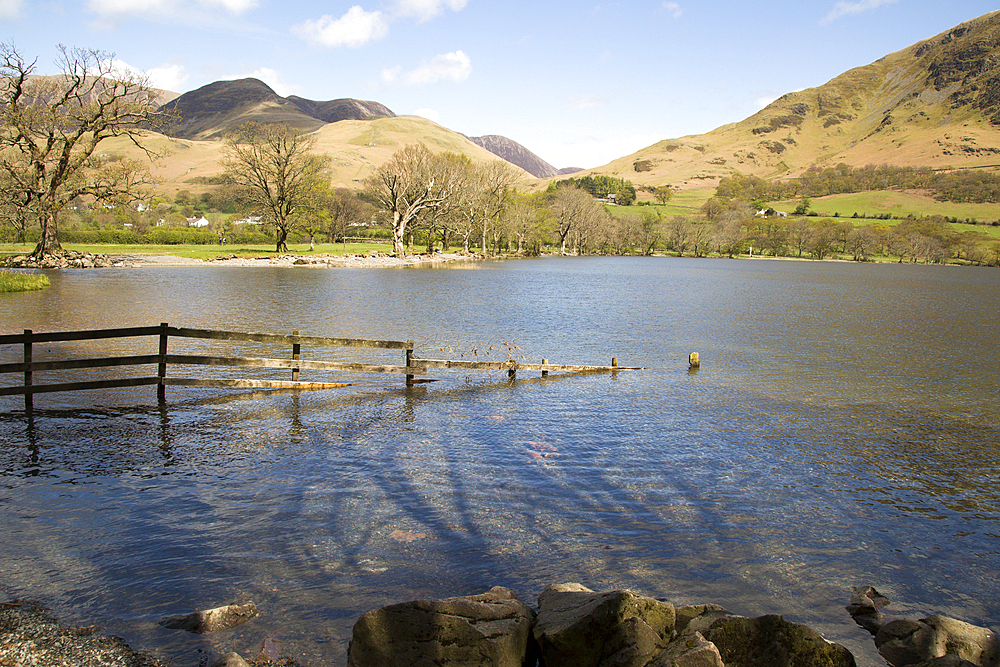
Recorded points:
(840, 431)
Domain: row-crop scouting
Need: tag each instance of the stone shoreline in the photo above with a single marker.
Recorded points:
(80, 260)
(573, 626)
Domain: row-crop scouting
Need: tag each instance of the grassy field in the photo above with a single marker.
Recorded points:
(897, 204)
(210, 251)
(11, 281)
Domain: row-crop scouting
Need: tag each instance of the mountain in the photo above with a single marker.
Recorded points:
(934, 104)
(213, 110)
(516, 154)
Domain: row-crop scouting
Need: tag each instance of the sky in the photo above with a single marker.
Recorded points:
(577, 83)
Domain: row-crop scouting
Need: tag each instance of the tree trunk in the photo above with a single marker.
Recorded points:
(48, 241)
(281, 245)
(398, 230)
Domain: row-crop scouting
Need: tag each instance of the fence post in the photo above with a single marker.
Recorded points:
(409, 362)
(28, 396)
(296, 354)
(161, 370)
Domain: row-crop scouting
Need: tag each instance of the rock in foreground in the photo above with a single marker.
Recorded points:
(493, 628)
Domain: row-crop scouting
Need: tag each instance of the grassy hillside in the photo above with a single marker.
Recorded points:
(935, 104)
(357, 148)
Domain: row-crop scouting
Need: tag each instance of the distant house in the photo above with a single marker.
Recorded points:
(200, 222)
(249, 220)
(770, 212)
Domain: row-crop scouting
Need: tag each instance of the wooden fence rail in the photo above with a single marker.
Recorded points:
(411, 366)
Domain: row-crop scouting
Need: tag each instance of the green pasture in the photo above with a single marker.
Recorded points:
(897, 204)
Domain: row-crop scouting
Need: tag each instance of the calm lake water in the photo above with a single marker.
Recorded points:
(842, 430)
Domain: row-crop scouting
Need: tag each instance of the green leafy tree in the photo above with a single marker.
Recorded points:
(663, 194)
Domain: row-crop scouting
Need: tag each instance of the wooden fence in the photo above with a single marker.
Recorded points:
(162, 359)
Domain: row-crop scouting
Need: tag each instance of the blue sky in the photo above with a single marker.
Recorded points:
(577, 83)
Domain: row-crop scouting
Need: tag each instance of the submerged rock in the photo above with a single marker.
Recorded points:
(865, 608)
(212, 620)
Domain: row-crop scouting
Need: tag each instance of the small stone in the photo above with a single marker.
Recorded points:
(232, 659)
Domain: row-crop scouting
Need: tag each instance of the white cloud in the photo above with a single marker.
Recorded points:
(274, 79)
(354, 29)
(454, 66)
(165, 77)
(848, 8)
(673, 9)
(424, 10)
(168, 77)
(581, 102)
(429, 114)
(10, 9)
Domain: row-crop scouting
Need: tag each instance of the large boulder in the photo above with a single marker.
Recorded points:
(908, 642)
(577, 627)
(771, 641)
(491, 629)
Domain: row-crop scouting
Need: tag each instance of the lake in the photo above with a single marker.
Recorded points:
(842, 430)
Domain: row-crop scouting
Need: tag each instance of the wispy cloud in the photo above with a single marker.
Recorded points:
(673, 9)
(10, 9)
(842, 9)
(581, 102)
(354, 29)
(454, 66)
(424, 10)
(111, 10)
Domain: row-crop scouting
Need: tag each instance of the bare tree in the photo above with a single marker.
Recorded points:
(52, 126)
(276, 175)
(572, 208)
(409, 183)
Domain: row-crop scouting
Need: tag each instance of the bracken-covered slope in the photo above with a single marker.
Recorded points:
(934, 104)
(213, 110)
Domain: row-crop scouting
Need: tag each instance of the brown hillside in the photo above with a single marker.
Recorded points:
(936, 103)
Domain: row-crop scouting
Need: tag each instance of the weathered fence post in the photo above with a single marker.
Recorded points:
(409, 362)
(296, 354)
(545, 373)
(161, 370)
(28, 397)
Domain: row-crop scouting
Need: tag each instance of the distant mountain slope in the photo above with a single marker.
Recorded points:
(345, 109)
(213, 110)
(936, 104)
(516, 154)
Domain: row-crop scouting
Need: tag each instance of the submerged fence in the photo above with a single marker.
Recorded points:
(164, 360)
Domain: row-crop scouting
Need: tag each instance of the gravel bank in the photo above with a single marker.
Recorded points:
(31, 637)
